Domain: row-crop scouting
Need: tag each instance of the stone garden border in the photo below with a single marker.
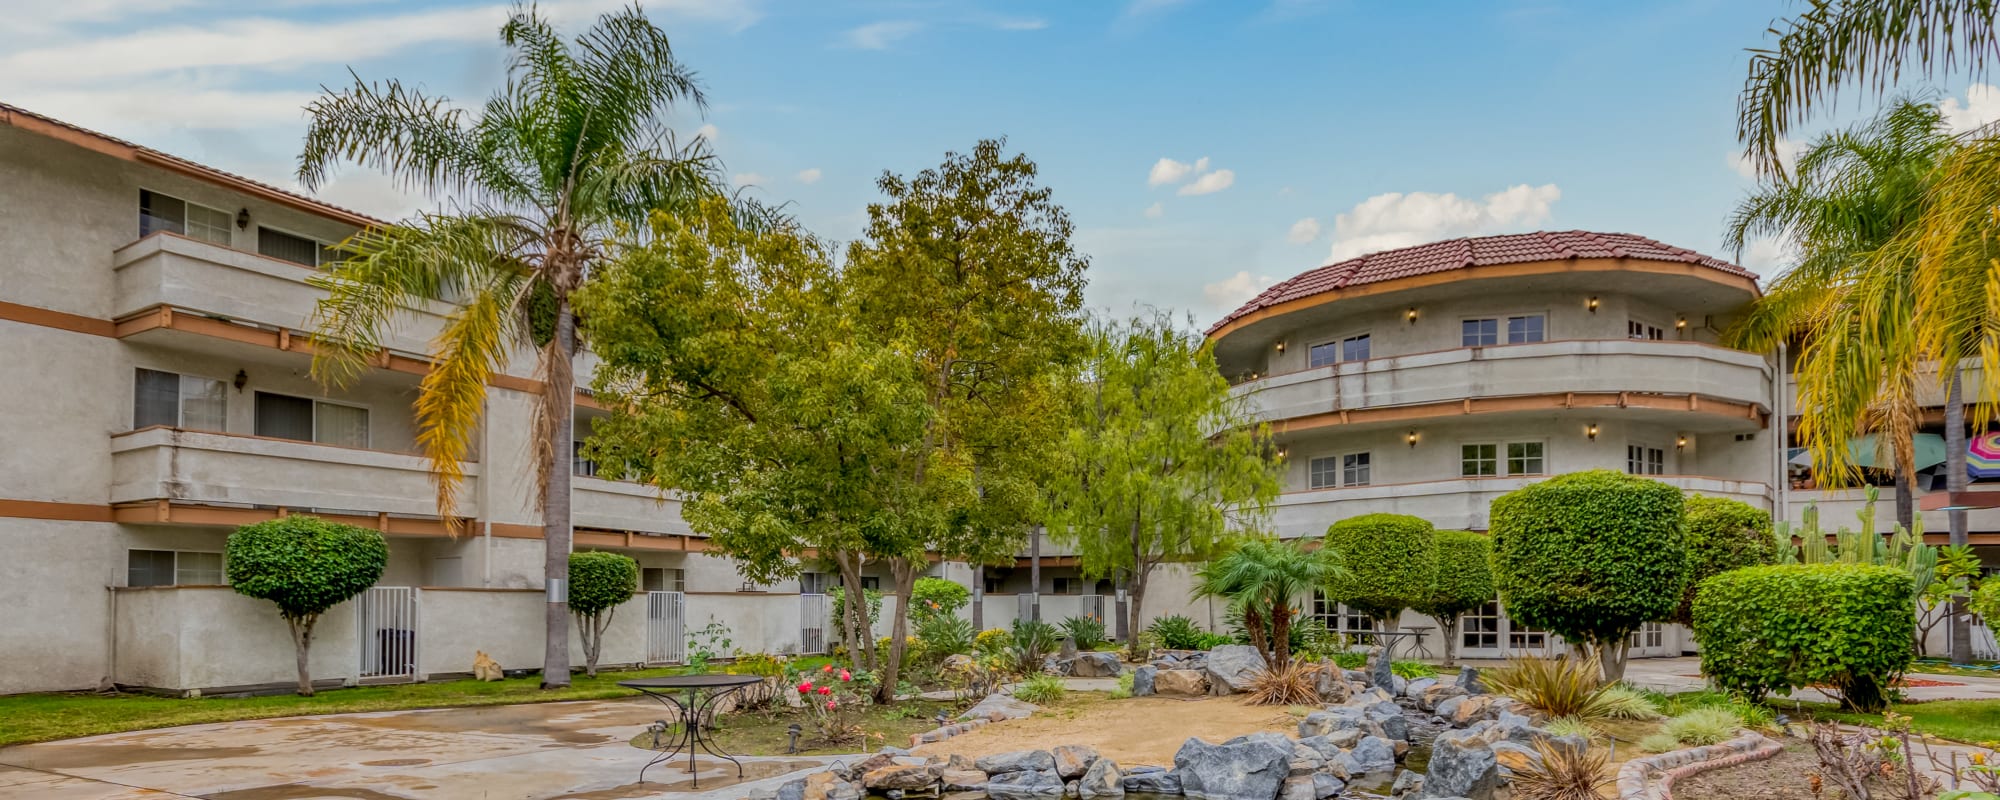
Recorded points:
(1652, 777)
(948, 731)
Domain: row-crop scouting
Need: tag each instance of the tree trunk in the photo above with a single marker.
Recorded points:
(1253, 624)
(1905, 501)
(591, 631)
(856, 629)
(1959, 624)
(904, 573)
(1035, 573)
(302, 632)
(560, 398)
(1281, 635)
(1448, 626)
(1134, 607)
(1611, 658)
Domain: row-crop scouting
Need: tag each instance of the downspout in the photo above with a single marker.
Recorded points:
(1782, 441)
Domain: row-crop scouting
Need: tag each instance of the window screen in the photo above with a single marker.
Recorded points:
(342, 425)
(198, 569)
(284, 417)
(149, 568)
(156, 399)
(281, 245)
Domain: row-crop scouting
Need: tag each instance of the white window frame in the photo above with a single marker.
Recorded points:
(221, 558)
(180, 399)
(319, 249)
(1339, 345)
(673, 578)
(1507, 468)
(1368, 468)
(368, 433)
(1501, 469)
(229, 237)
(1337, 472)
(1646, 449)
(1499, 321)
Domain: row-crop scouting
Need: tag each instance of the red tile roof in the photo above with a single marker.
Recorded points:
(1478, 251)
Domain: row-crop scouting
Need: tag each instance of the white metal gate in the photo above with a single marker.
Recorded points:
(1024, 606)
(813, 617)
(388, 630)
(666, 629)
(1093, 606)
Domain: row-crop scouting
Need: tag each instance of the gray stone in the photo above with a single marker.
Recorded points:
(1025, 783)
(1325, 786)
(1095, 665)
(1509, 719)
(1415, 689)
(1380, 674)
(1272, 738)
(1073, 759)
(1250, 769)
(1070, 789)
(1355, 675)
(1373, 755)
(963, 780)
(1514, 757)
(1438, 693)
(1181, 682)
(764, 794)
(1448, 707)
(1306, 759)
(997, 707)
(1396, 727)
(902, 776)
(1017, 761)
(892, 750)
(1333, 719)
(1160, 782)
(1101, 780)
(1233, 668)
(1317, 744)
(1297, 787)
(1346, 739)
(1330, 683)
(1381, 710)
(1142, 680)
(793, 790)
(1461, 769)
(1407, 783)
(1468, 679)
(1398, 685)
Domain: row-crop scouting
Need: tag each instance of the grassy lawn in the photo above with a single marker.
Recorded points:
(1974, 721)
(44, 717)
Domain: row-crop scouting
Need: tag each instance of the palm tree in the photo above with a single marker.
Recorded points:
(1851, 296)
(538, 179)
(1261, 576)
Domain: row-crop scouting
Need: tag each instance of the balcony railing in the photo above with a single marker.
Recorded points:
(625, 506)
(1457, 503)
(220, 469)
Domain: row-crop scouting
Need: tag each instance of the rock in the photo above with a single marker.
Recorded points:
(1398, 685)
(1233, 668)
(1017, 761)
(1272, 738)
(1142, 680)
(830, 786)
(762, 794)
(957, 662)
(1070, 789)
(792, 790)
(893, 751)
(1297, 787)
(1509, 719)
(853, 772)
(1073, 759)
(1471, 708)
(963, 780)
(1415, 689)
(1380, 672)
(1251, 769)
(1319, 723)
(1155, 782)
(901, 776)
(1355, 675)
(1306, 759)
(1025, 783)
(1396, 727)
(1325, 786)
(1449, 707)
(1095, 665)
(1330, 683)
(1181, 682)
(1437, 693)
(1468, 679)
(1102, 779)
(1407, 783)
(1461, 768)
(1381, 710)
(1401, 746)
(997, 707)
(1513, 757)
(1374, 754)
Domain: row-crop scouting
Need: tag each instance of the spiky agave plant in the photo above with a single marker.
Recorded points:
(1294, 684)
(1563, 773)
(1558, 687)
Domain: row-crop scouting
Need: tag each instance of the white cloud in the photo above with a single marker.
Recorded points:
(1981, 106)
(1788, 154)
(1768, 257)
(1167, 170)
(1209, 183)
(1235, 290)
(879, 35)
(810, 175)
(748, 179)
(708, 131)
(1396, 219)
(1027, 24)
(1155, 211)
(1303, 231)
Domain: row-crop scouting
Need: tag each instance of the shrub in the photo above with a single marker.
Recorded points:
(1124, 689)
(1625, 702)
(1352, 659)
(1177, 632)
(1294, 684)
(1313, 640)
(1391, 562)
(1590, 556)
(1412, 670)
(839, 612)
(914, 649)
(305, 565)
(945, 635)
(931, 597)
(1464, 583)
(1708, 725)
(1570, 726)
(1722, 535)
(1558, 687)
(1659, 742)
(1086, 631)
(993, 640)
(598, 584)
(1210, 641)
(1041, 689)
(1032, 639)
(1781, 628)
(1562, 773)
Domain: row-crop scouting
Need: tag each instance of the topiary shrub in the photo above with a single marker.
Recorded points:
(1781, 628)
(1591, 556)
(1391, 562)
(1464, 583)
(931, 597)
(1723, 534)
(598, 584)
(305, 565)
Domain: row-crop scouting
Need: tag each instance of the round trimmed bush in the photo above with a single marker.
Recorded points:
(306, 566)
(1591, 556)
(599, 582)
(1391, 561)
(1464, 583)
(937, 597)
(1723, 534)
(1780, 628)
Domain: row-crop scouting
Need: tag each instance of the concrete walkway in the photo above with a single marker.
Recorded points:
(548, 751)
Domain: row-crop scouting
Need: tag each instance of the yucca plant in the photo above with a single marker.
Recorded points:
(1033, 640)
(1558, 687)
(1563, 773)
(1086, 631)
(1294, 684)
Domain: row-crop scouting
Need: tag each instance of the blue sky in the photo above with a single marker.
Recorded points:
(1203, 147)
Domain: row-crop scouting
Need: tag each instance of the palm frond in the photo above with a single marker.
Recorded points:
(420, 141)
(451, 398)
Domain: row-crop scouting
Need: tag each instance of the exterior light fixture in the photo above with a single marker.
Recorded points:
(241, 379)
(1283, 451)
(1411, 315)
(1680, 322)
(1681, 443)
(1281, 347)
(1590, 431)
(243, 218)
(1412, 438)
(1591, 304)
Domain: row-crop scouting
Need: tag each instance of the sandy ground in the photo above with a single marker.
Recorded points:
(1141, 730)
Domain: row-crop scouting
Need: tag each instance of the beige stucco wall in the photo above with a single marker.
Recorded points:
(194, 637)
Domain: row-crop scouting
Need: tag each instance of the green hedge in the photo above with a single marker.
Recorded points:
(1780, 628)
(1464, 575)
(304, 564)
(1391, 562)
(1722, 535)
(1590, 555)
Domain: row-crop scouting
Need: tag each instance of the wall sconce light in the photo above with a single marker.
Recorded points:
(1283, 451)
(1412, 438)
(1681, 443)
(1591, 304)
(1411, 315)
(1281, 347)
(241, 379)
(243, 218)
(1590, 431)
(1680, 322)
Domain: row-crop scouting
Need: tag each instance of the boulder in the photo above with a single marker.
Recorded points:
(1072, 759)
(1415, 689)
(1396, 727)
(1233, 668)
(1306, 759)
(1181, 683)
(1142, 680)
(1297, 787)
(1319, 723)
(1514, 757)
(1373, 755)
(1398, 685)
(902, 776)
(1462, 766)
(1471, 708)
(957, 662)
(1156, 780)
(1249, 769)
(1381, 710)
(1094, 665)
(998, 707)
(962, 780)
(1325, 786)
(1017, 761)
(794, 789)
(1437, 693)
(1330, 683)
(1407, 783)
(1102, 779)
(1027, 783)
(1448, 707)
(1380, 672)
(830, 786)
(854, 771)
(1468, 679)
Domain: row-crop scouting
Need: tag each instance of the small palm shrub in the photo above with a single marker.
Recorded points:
(1040, 689)
(945, 635)
(1563, 774)
(1087, 631)
(1177, 632)
(1626, 702)
(1558, 687)
(1033, 640)
(1412, 670)
(1291, 685)
(1710, 725)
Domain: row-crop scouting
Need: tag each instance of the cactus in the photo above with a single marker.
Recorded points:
(1904, 548)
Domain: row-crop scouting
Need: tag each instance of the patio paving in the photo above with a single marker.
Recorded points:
(552, 751)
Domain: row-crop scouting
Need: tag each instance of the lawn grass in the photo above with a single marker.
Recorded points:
(62, 715)
(1971, 721)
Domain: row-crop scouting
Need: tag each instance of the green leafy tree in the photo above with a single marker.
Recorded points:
(1262, 578)
(306, 566)
(572, 146)
(1591, 556)
(1954, 582)
(1723, 534)
(1464, 583)
(938, 597)
(1786, 627)
(598, 584)
(1159, 463)
(1391, 564)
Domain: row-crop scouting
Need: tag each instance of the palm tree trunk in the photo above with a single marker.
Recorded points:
(1281, 636)
(1959, 625)
(555, 501)
(1905, 501)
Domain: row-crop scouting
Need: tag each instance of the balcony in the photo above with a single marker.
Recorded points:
(1455, 504)
(624, 506)
(1841, 508)
(201, 468)
(1672, 376)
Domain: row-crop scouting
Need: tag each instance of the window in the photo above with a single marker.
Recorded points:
(303, 419)
(173, 568)
(1478, 459)
(1325, 472)
(177, 401)
(1643, 460)
(1352, 348)
(1650, 636)
(1481, 628)
(1339, 618)
(580, 465)
(284, 246)
(1068, 586)
(1479, 332)
(1328, 472)
(159, 212)
(663, 579)
(1519, 330)
(1524, 458)
(993, 584)
(871, 582)
(1354, 469)
(1323, 354)
(1635, 329)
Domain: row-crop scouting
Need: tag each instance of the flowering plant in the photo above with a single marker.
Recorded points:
(831, 697)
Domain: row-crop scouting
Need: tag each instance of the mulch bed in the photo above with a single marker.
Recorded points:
(1786, 776)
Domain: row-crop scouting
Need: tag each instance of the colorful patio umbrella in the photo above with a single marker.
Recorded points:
(1862, 451)
(1982, 456)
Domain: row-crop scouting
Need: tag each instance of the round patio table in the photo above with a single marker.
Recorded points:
(683, 693)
